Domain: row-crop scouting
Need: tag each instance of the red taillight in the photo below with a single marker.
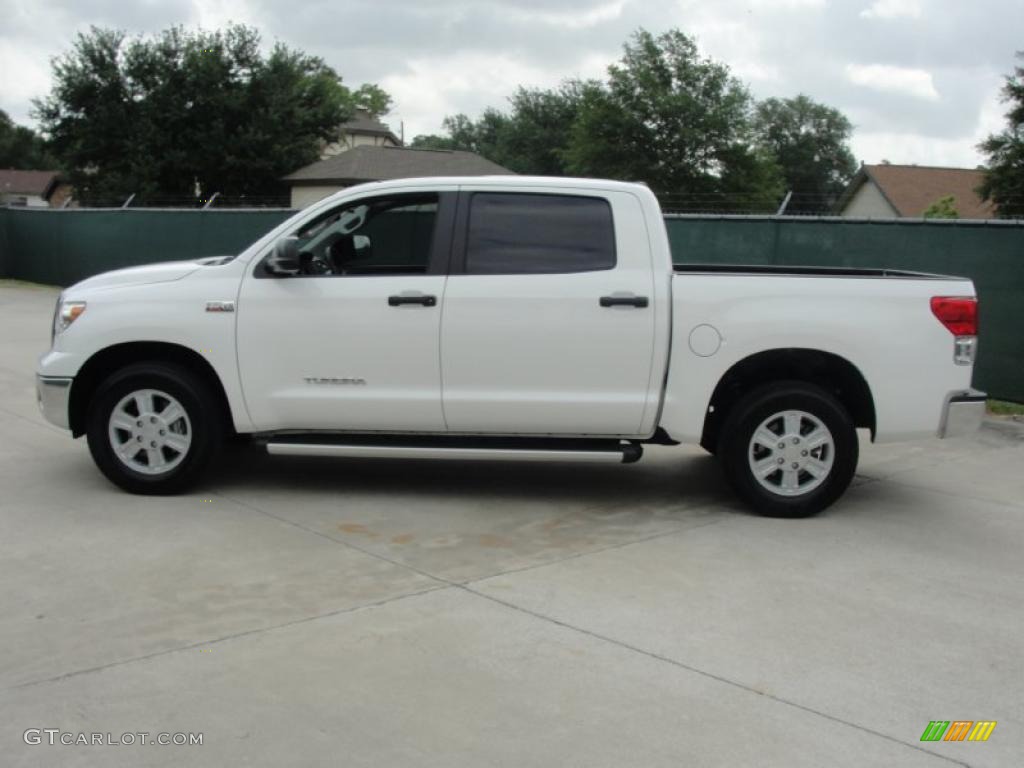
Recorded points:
(958, 313)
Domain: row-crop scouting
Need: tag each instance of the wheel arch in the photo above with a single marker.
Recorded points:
(108, 360)
(831, 372)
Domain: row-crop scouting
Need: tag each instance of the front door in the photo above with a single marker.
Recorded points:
(351, 343)
(548, 323)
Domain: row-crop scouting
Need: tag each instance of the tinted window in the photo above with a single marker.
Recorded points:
(384, 236)
(534, 234)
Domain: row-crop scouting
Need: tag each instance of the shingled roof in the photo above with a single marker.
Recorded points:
(381, 163)
(911, 189)
(39, 183)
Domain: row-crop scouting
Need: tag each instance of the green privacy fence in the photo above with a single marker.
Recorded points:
(62, 247)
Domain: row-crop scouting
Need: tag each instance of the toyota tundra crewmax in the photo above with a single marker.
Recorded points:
(516, 318)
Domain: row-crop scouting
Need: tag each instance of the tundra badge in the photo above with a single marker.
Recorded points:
(345, 380)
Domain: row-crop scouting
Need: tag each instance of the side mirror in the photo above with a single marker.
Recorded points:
(284, 260)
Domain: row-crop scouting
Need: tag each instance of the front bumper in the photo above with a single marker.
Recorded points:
(963, 413)
(53, 394)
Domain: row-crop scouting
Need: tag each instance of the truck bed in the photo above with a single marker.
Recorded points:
(879, 320)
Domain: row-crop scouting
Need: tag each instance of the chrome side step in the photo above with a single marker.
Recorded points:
(625, 453)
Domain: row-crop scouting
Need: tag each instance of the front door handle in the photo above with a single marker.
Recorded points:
(412, 298)
(624, 300)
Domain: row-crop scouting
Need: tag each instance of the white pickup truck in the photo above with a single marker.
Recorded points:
(506, 318)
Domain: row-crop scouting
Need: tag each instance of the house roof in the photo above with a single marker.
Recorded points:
(365, 125)
(911, 189)
(364, 122)
(41, 183)
(381, 163)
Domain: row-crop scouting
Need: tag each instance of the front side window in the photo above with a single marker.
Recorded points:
(512, 233)
(381, 236)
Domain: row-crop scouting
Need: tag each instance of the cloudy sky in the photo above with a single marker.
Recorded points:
(919, 79)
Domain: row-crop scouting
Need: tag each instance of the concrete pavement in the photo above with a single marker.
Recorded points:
(314, 612)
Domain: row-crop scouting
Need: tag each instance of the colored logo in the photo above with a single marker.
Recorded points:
(958, 730)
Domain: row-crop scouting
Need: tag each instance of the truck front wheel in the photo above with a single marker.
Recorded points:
(153, 428)
(789, 449)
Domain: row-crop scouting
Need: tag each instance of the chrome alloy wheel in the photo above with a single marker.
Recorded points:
(149, 432)
(791, 453)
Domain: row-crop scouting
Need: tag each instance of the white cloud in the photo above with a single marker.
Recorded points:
(957, 152)
(883, 77)
(787, 5)
(24, 75)
(569, 18)
(432, 88)
(907, 149)
(992, 117)
(212, 14)
(894, 9)
(446, 56)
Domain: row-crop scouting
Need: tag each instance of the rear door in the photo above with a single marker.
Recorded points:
(548, 319)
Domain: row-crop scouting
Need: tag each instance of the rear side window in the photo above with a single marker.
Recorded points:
(516, 234)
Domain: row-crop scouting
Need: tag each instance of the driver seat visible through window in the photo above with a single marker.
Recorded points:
(342, 252)
(383, 236)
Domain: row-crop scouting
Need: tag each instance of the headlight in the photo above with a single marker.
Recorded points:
(67, 313)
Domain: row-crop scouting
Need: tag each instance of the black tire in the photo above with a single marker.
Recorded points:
(199, 403)
(734, 448)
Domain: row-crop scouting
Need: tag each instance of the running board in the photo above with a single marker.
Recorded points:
(608, 452)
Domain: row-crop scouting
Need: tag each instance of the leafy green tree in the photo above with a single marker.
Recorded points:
(943, 208)
(810, 143)
(164, 115)
(372, 99)
(750, 181)
(433, 141)
(605, 138)
(21, 148)
(1004, 178)
(666, 116)
(462, 134)
(536, 136)
(532, 137)
(676, 120)
(483, 136)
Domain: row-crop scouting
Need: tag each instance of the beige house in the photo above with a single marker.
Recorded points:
(361, 131)
(367, 150)
(906, 191)
(33, 189)
(379, 163)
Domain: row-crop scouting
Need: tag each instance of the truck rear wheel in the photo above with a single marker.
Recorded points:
(789, 449)
(153, 428)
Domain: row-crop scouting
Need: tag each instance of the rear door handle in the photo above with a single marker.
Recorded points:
(412, 298)
(623, 300)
